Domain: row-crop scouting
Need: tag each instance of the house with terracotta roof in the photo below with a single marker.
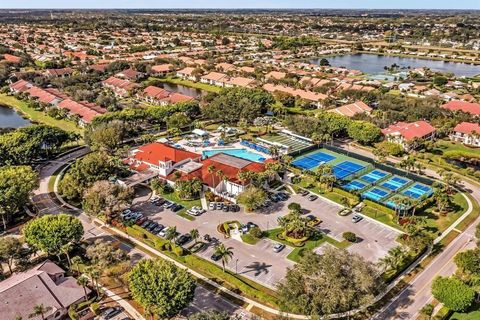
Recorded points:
(275, 75)
(225, 67)
(349, 110)
(467, 133)
(83, 110)
(20, 86)
(406, 134)
(214, 78)
(130, 74)
(46, 284)
(11, 58)
(160, 157)
(240, 82)
(56, 73)
(187, 74)
(119, 87)
(162, 69)
(467, 107)
(162, 97)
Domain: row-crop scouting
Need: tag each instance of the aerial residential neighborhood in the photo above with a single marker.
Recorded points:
(251, 161)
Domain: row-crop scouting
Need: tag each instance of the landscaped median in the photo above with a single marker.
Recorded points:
(309, 244)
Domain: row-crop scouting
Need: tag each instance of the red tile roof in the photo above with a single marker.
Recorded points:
(409, 131)
(87, 114)
(229, 172)
(467, 128)
(352, 109)
(155, 92)
(162, 68)
(11, 58)
(156, 152)
(20, 85)
(468, 107)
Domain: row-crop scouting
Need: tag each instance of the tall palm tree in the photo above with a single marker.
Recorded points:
(66, 248)
(83, 281)
(171, 234)
(225, 254)
(94, 274)
(39, 310)
(194, 234)
(77, 261)
(211, 170)
(219, 174)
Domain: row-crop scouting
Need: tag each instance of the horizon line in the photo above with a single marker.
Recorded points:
(239, 8)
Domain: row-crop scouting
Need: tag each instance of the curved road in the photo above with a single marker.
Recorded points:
(47, 203)
(408, 303)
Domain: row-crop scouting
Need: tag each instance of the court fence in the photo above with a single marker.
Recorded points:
(381, 166)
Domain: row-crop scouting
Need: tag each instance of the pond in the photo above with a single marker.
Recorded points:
(9, 118)
(374, 64)
(192, 92)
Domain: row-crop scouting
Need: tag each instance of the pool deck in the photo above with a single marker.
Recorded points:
(214, 138)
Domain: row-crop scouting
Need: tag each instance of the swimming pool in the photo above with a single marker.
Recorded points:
(239, 153)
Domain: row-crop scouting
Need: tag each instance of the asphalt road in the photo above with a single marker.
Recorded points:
(408, 303)
(47, 203)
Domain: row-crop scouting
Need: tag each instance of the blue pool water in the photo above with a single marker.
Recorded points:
(239, 153)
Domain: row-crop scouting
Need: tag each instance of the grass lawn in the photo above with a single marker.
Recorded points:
(380, 216)
(311, 244)
(38, 116)
(188, 83)
(443, 222)
(249, 239)
(472, 314)
(186, 203)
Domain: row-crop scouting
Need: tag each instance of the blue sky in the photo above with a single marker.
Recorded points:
(341, 4)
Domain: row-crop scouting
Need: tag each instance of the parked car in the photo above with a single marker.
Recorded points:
(356, 218)
(212, 206)
(176, 207)
(218, 206)
(303, 192)
(278, 247)
(312, 197)
(226, 208)
(283, 196)
(158, 228)
(153, 199)
(344, 212)
(163, 232)
(198, 247)
(140, 221)
(111, 312)
(168, 204)
(216, 256)
(183, 239)
(145, 224)
(152, 226)
(159, 202)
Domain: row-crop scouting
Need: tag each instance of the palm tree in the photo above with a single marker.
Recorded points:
(83, 281)
(94, 274)
(219, 174)
(77, 261)
(66, 250)
(211, 170)
(274, 152)
(171, 234)
(225, 254)
(39, 310)
(194, 234)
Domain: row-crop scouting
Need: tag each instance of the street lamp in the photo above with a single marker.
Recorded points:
(236, 266)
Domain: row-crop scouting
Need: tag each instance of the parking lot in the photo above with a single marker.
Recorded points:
(259, 262)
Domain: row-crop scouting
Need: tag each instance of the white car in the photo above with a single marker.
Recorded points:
(163, 233)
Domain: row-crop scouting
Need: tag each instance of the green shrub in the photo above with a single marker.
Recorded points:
(443, 314)
(349, 236)
(256, 232)
(95, 307)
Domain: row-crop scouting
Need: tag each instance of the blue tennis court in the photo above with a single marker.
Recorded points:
(354, 185)
(313, 160)
(375, 194)
(321, 156)
(395, 183)
(418, 190)
(374, 176)
(305, 163)
(346, 168)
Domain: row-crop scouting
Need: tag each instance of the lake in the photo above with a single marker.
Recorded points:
(192, 92)
(374, 64)
(9, 118)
